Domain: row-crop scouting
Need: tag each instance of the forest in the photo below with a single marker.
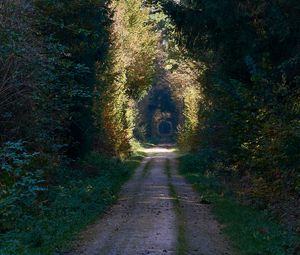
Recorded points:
(85, 85)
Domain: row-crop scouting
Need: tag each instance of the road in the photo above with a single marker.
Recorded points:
(157, 213)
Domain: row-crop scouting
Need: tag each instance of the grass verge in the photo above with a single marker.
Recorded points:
(75, 198)
(252, 232)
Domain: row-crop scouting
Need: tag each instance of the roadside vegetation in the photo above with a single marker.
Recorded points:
(251, 231)
(234, 67)
(47, 223)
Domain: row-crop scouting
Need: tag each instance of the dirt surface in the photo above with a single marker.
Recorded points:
(145, 219)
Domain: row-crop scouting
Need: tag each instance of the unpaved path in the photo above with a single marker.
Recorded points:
(147, 220)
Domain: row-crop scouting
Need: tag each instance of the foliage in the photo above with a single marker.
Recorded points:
(187, 132)
(48, 54)
(19, 59)
(249, 107)
(46, 90)
(80, 29)
(19, 185)
(127, 78)
(73, 71)
(161, 106)
(187, 91)
(74, 199)
(182, 95)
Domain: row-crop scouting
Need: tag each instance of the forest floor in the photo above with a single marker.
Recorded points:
(157, 213)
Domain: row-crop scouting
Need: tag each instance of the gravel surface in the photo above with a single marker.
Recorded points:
(144, 220)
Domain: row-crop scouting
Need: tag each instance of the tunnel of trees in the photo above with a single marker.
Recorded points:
(83, 82)
(165, 128)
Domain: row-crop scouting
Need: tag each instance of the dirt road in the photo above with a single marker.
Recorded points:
(157, 213)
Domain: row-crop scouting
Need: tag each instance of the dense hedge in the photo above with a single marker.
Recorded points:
(248, 124)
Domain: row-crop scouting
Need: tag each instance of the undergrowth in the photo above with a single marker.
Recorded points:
(76, 197)
(251, 231)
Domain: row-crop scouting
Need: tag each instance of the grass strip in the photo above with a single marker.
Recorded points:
(181, 246)
(168, 168)
(147, 167)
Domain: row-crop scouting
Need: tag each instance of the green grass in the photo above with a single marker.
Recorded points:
(168, 168)
(252, 232)
(76, 198)
(181, 245)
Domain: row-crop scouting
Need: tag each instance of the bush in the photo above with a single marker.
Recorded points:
(76, 199)
(20, 185)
